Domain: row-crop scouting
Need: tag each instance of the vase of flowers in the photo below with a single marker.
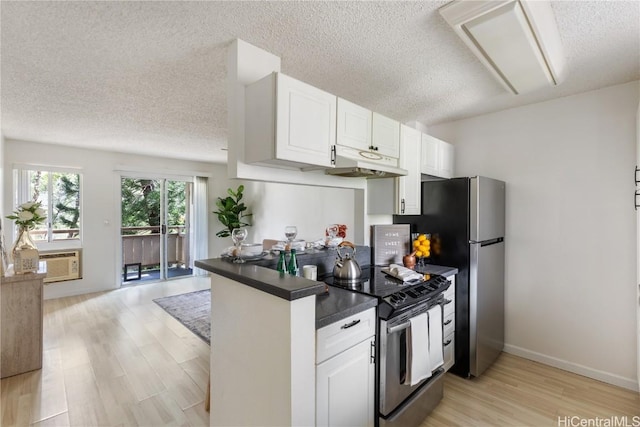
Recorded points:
(24, 251)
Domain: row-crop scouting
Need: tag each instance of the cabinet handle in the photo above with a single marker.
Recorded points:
(447, 322)
(446, 343)
(402, 206)
(333, 154)
(348, 325)
(375, 148)
(635, 199)
(372, 354)
(636, 175)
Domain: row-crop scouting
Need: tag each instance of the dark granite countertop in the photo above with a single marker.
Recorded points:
(265, 279)
(339, 304)
(437, 269)
(331, 307)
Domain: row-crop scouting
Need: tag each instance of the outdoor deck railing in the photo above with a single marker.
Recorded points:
(139, 244)
(144, 247)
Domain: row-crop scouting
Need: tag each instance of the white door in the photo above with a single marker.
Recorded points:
(409, 186)
(385, 136)
(638, 234)
(345, 388)
(306, 122)
(354, 126)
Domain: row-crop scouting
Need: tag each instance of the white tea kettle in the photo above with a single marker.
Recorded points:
(346, 271)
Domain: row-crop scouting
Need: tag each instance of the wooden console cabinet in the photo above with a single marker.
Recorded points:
(21, 322)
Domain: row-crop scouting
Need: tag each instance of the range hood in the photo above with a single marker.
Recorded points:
(353, 163)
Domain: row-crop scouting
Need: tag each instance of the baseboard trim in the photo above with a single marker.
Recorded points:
(565, 365)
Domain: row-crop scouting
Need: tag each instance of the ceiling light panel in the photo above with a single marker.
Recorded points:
(518, 41)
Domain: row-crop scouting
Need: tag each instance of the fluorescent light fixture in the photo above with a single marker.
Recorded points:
(517, 40)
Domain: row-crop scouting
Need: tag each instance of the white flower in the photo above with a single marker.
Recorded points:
(40, 212)
(27, 205)
(25, 216)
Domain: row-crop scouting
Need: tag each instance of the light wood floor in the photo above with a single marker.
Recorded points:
(117, 359)
(518, 392)
(113, 359)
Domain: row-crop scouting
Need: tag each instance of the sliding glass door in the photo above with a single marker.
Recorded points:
(155, 229)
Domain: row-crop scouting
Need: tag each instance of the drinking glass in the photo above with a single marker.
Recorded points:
(238, 235)
(290, 232)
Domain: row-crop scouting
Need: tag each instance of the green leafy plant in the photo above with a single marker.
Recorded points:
(231, 212)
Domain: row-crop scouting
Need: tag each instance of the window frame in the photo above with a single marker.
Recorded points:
(21, 194)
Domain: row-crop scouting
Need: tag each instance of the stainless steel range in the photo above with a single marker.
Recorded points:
(402, 399)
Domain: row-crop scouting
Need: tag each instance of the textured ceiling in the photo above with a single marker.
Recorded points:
(150, 77)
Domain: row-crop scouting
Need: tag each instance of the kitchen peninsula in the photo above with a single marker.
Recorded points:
(263, 342)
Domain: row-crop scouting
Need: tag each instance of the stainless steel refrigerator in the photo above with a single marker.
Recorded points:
(465, 217)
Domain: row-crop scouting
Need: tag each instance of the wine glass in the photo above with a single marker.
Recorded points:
(238, 235)
(290, 232)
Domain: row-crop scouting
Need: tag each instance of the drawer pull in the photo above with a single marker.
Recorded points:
(348, 325)
(447, 322)
(446, 343)
(447, 301)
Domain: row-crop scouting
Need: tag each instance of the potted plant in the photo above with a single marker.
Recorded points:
(231, 212)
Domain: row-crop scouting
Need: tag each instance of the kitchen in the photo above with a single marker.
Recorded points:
(542, 171)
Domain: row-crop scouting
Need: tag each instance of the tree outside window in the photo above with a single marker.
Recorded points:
(59, 193)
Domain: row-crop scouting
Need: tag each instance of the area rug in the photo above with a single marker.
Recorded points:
(193, 310)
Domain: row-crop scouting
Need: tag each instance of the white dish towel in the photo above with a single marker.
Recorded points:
(418, 359)
(435, 337)
(403, 273)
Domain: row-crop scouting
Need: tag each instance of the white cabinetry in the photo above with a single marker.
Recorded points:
(354, 126)
(408, 187)
(449, 324)
(437, 157)
(385, 135)
(288, 123)
(401, 195)
(345, 371)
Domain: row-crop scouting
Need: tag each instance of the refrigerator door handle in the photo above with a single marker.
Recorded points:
(487, 242)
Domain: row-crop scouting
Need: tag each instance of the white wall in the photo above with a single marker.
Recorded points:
(570, 225)
(273, 205)
(100, 203)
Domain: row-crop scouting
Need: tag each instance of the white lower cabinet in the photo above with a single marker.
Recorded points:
(345, 387)
(345, 372)
(449, 325)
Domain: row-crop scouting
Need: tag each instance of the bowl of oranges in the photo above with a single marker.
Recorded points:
(421, 247)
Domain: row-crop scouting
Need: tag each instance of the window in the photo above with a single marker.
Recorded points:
(59, 193)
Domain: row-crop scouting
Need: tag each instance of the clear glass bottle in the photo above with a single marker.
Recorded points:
(292, 267)
(282, 263)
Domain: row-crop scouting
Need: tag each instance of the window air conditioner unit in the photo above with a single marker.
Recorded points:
(517, 40)
(61, 266)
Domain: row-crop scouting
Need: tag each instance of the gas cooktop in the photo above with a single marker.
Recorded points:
(393, 293)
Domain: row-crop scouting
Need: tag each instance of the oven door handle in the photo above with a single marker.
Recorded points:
(394, 329)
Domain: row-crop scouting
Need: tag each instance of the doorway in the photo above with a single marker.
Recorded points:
(155, 229)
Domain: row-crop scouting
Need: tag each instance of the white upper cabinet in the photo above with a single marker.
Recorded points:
(409, 187)
(446, 159)
(437, 157)
(385, 136)
(354, 126)
(289, 123)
